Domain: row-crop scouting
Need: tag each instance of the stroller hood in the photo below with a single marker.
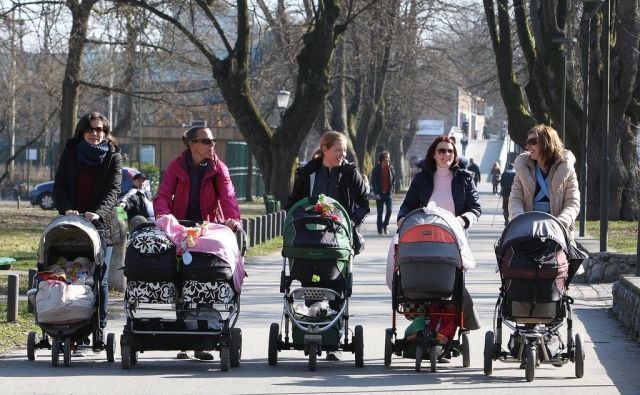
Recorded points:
(532, 225)
(73, 232)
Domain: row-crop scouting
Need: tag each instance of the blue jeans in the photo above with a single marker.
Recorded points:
(385, 200)
(104, 287)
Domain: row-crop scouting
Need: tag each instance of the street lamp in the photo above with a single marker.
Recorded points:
(283, 99)
(604, 162)
(584, 136)
(565, 42)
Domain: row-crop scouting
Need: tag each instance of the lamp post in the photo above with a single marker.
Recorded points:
(283, 102)
(604, 162)
(565, 42)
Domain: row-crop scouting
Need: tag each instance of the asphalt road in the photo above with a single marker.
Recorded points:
(611, 366)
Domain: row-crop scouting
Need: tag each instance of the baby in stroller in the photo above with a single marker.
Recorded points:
(425, 272)
(535, 262)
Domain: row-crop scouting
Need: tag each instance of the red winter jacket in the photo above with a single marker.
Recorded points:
(173, 193)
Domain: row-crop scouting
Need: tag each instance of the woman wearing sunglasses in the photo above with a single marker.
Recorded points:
(87, 183)
(196, 186)
(545, 178)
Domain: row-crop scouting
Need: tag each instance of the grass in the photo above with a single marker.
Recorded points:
(14, 334)
(623, 235)
(266, 248)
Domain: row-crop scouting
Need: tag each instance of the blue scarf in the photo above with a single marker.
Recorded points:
(538, 203)
(92, 155)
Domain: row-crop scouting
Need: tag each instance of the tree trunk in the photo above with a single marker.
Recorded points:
(70, 84)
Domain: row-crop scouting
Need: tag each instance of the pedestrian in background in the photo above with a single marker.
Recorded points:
(137, 201)
(506, 181)
(383, 179)
(472, 167)
(495, 175)
(87, 183)
(196, 186)
(464, 142)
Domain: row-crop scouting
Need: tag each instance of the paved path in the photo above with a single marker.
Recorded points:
(612, 363)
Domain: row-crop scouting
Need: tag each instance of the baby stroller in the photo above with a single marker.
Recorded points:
(317, 251)
(533, 256)
(66, 290)
(183, 290)
(427, 288)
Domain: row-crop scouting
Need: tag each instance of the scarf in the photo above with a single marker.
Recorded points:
(92, 155)
(539, 201)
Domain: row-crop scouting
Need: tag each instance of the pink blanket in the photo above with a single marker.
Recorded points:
(211, 238)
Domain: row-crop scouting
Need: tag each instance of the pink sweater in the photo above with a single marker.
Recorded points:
(442, 195)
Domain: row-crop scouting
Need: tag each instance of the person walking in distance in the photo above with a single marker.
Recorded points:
(472, 167)
(383, 178)
(506, 181)
(464, 142)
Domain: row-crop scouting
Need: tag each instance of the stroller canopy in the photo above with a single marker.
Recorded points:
(72, 234)
(319, 226)
(533, 225)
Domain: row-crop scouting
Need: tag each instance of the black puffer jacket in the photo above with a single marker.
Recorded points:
(465, 195)
(104, 195)
(351, 189)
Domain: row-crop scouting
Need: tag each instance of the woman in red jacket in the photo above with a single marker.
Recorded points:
(196, 186)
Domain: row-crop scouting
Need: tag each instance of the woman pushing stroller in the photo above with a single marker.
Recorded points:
(196, 186)
(444, 184)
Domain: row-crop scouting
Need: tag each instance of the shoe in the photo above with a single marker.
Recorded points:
(203, 355)
(333, 356)
(183, 355)
(384, 230)
(78, 353)
(379, 233)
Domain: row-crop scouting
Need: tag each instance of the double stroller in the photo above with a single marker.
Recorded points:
(427, 288)
(317, 252)
(66, 292)
(534, 258)
(183, 290)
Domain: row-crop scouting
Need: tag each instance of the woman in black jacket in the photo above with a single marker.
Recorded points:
(330, 174)
(451, 188)
(87, 183)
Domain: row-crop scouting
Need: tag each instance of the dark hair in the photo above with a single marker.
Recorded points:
(84, 124)
(191, 134)
(382, 155)
(551, 146)
(430, 163)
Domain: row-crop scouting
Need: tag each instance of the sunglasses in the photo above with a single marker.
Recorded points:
(443, 151)
(94, 130)
(205, 141)
(532, 141)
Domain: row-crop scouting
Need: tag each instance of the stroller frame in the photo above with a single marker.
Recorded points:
(426, 341)
(313, 344)
(142, 334)
(65, 338)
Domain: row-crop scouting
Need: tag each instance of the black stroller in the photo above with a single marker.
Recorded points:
(66, 290)
(534, 258)
(180, 302)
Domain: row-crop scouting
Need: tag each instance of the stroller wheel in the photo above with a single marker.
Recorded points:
(224, 358)
(488, 353)
(55, 351)
(236, 347)
(466, 356)
(274, 333)
(388, 346)
(125, 356)
(358, 346)
(313, 356)
(579, 356)
(111, 347)
(31, 346)
(67, 352)
(433, 358)
(418, 357)
(530, 363)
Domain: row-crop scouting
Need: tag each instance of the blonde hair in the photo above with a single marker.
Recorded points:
(328, 140)
(551, 146)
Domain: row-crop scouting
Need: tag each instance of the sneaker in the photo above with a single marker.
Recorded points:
(333, 355)
(183, 355)
(384, 230)
(203, 355)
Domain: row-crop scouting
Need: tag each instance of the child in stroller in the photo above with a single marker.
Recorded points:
(65, 294)
(535, 262)
(425, 272)
(317, 250)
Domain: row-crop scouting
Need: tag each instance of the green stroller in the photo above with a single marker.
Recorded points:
(317, 252)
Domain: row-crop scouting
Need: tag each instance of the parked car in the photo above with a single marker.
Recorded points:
(42, 194)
